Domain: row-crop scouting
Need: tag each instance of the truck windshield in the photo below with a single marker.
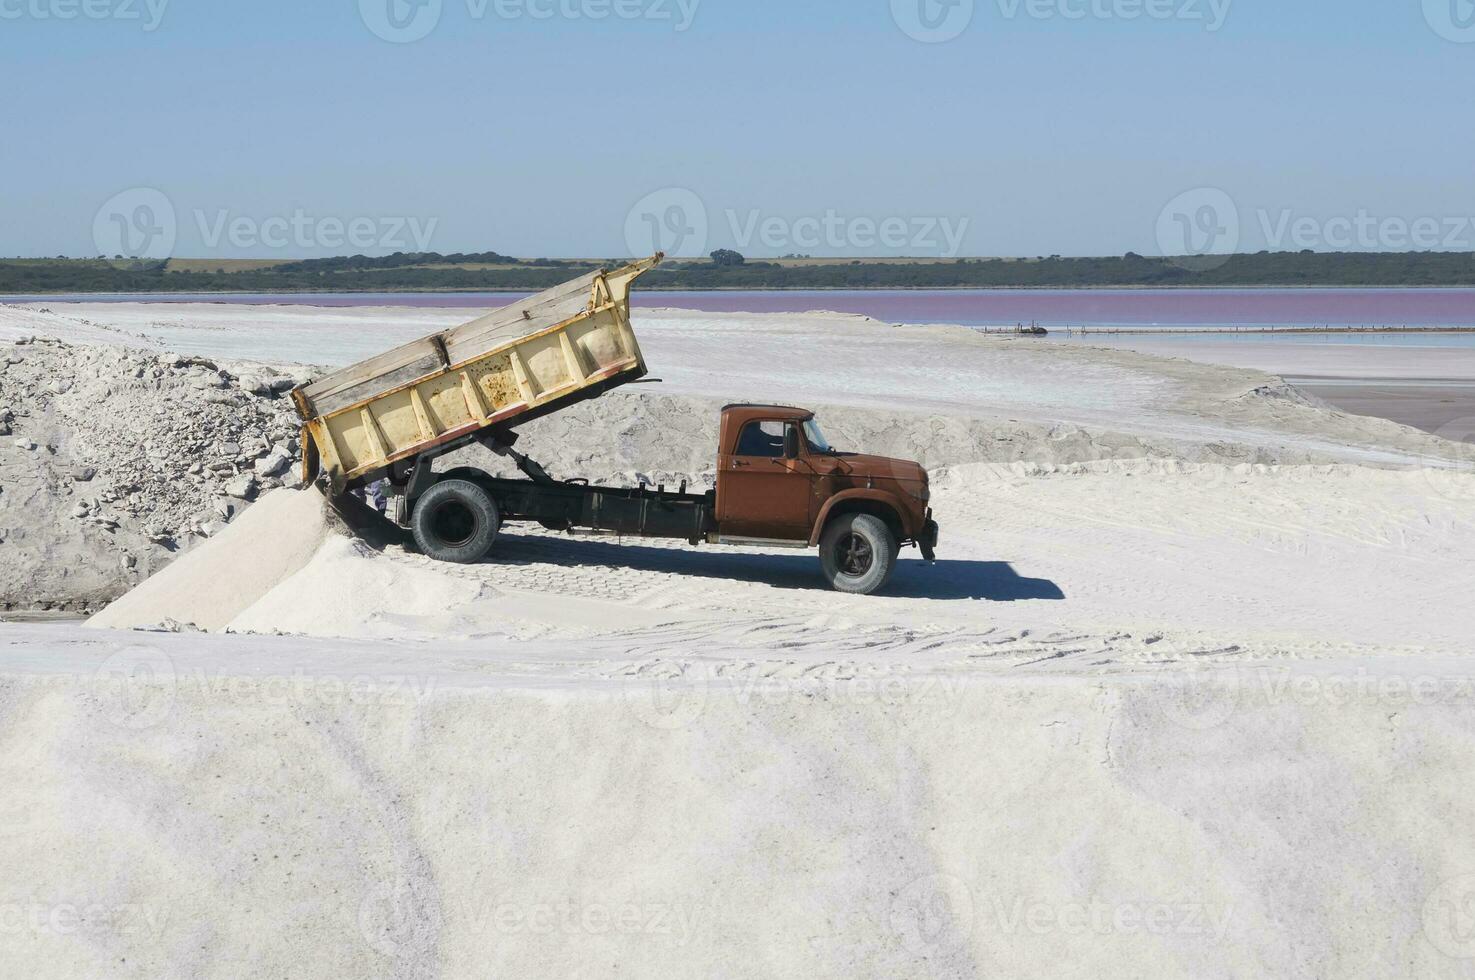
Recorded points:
(816, 439)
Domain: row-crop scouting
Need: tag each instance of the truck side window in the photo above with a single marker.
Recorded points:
(762, 439)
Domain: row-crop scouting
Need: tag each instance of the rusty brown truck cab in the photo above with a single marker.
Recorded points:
(779, 484)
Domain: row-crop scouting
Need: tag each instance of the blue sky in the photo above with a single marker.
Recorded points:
(272, 128)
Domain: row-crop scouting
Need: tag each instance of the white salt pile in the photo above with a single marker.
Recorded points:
(291, 564)
(213, 584)
(348, 590)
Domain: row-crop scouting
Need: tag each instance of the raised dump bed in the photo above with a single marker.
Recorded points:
(525, 360)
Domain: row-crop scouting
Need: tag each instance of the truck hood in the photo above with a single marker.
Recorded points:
(881, 467)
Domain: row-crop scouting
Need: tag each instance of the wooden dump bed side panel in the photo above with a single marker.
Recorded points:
(362, 381)
(529, 316)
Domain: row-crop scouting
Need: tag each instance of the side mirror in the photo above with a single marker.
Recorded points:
(791, 442)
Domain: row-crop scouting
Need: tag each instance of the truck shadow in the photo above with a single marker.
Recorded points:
(944, 579)
(914, 579)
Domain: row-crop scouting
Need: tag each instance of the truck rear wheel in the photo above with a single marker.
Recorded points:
(455, 521)
(858, 553)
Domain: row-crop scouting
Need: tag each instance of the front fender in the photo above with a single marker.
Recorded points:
(890, 500)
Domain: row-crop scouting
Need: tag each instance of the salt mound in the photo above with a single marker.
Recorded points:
(113, 459)
(349, 590)
(291, 564)
(213, 584)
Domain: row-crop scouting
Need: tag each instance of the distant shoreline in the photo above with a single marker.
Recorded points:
(1092, 314)
(5, 296)
(728, 271)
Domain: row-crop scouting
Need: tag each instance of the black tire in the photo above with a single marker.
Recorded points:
(858, 553)
(455, 521)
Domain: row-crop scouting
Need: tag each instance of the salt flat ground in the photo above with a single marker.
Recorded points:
(1089, 569)
(1430, 386)
(1187, 694)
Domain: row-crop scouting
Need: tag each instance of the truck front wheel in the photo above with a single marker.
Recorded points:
(858, 553)
(455, 521)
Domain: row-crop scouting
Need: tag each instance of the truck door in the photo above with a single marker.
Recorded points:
(762, 492)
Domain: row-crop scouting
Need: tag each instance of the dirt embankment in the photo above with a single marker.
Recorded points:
(113, 460)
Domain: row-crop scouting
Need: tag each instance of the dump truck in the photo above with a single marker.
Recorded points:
(779, 482)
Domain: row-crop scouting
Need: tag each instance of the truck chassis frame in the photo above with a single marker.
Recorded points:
(643, 511)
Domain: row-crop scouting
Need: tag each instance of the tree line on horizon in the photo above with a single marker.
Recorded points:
(730, 270)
